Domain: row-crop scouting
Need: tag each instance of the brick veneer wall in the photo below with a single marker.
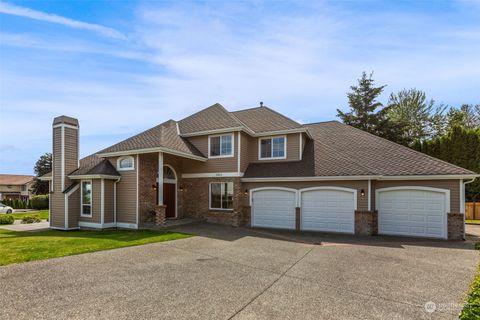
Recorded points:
(147, 177)
(148, 168)
(196, 201)
(366, 222)
(456, 226)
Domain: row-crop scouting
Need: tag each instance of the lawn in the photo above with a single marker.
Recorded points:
(18, 247)
(472, 221)
(43, 214)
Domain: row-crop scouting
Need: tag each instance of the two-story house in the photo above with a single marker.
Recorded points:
(258, 168)
(14, 186)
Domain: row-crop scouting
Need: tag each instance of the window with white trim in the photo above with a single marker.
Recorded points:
(221, 195)
(220, 146)
(86, 198)
(273, 148)
(125, 163)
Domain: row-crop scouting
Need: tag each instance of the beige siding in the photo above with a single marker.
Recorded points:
(127, 194)
(71, 153)
(211, 165)
(362, 201)
(57, 211)
(96, 214)
(74, 209)
(109, 205)
(452, 185)
(245, 148)
(293, 149)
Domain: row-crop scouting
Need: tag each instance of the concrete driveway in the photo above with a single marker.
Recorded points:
(235, 273)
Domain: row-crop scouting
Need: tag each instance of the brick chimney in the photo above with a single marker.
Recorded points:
(65, 160)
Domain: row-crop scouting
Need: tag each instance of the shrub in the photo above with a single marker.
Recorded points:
(39, 202)
(6, 219)
(31, 219)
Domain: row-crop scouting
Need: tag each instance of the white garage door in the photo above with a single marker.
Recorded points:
(273, 209)
(412, 212)
(328, 210)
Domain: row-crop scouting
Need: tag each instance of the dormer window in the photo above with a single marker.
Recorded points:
(220, 146)
(125, 163)
(272, 148)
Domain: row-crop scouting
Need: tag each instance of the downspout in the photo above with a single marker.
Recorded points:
(463, 204)
(115, 201)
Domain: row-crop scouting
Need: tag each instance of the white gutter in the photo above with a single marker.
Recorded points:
(93, 176)
(371, 177)
(151, 150)
(462, 201)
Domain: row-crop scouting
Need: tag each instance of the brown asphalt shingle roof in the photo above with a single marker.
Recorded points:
(212, 118)
(164, 135)
(15, 179)
(264, 119)
(341, 150)
(89, 166)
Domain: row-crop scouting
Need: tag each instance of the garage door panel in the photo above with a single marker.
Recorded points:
(273, 209)
(412, 212)
(327, 210)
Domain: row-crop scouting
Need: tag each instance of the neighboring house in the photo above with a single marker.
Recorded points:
(256, 167)
(15, 186)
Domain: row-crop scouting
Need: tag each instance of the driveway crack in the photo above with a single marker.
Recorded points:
(270, 285)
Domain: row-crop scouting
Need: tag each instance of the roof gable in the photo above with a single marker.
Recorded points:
(164, 135)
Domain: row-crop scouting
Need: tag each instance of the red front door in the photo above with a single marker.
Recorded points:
(169, 199)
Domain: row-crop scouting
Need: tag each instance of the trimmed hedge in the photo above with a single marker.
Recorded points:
(31, 219)
(6, 219)
(39, 202)
(471, 309)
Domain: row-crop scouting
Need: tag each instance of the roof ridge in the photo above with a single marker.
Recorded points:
(408, 149)
(246, 109)
(282, 115)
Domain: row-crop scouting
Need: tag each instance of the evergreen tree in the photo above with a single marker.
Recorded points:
(42, 166)
(468, 116)
(414, 116)
(366, 112)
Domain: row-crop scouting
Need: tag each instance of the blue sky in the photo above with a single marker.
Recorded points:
(122, 67)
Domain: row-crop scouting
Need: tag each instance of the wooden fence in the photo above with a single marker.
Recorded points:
(472, 210)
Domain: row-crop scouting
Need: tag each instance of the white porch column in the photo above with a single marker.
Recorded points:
(160, 178)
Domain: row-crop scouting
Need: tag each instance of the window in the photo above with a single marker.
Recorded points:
(86, 198)
(273, 148)
(220, 146)
(221, 195)
(24, 187)
(125, 163)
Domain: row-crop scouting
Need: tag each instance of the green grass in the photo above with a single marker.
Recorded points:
(472, 221)
(471, 309)
(43, 214)
(18, 247)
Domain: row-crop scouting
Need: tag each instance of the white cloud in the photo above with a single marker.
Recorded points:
(11, 9)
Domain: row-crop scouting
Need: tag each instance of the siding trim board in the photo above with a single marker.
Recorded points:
(379, 178)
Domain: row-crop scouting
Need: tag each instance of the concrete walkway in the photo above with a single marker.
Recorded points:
(44, 225)
(236, 273)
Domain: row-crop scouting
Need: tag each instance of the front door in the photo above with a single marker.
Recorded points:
(169, 195)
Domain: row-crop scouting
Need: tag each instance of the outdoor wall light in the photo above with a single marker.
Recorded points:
(362, 192)
(246, 192)
(154, 186)
(181, 189)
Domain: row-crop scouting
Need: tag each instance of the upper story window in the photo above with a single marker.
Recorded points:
(125, 163)
(220, 146)
(24, 187)
(273, 148)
